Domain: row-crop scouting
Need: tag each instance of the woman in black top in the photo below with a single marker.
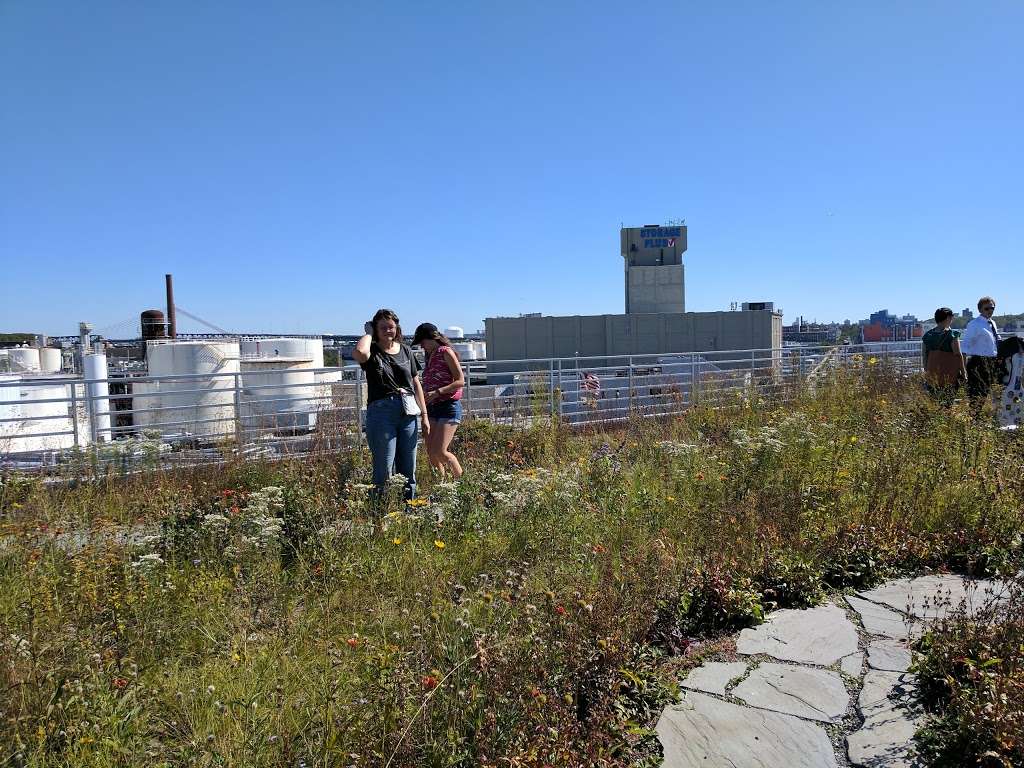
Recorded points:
(392, 389)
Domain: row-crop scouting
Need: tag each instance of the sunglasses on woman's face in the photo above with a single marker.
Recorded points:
(989, 307)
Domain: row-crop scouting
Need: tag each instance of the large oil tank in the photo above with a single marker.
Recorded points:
(293, 347)
(454, 332)
(202, 406)
(280, 386)
(50, 360)
(24, 359)
(38, 425)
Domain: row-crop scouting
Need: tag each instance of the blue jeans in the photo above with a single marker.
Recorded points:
(392, 437)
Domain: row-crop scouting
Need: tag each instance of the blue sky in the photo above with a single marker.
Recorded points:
(297, 165)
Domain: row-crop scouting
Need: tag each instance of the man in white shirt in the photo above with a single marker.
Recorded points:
(980, 343)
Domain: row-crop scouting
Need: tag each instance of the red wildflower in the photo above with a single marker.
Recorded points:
(560, 610)
(429, 682)
(120, 682)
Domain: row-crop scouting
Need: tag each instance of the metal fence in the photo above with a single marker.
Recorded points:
(129, 421)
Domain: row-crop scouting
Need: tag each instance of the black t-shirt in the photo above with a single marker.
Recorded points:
(386, 374)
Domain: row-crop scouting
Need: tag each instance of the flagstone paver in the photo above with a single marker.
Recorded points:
(879, 620)
(853, 664)
(708, 732)
(714, 676)
(785, 706)
(815, 694)
(820, 636)
(886, 738)
(889, 655)
(931, 597)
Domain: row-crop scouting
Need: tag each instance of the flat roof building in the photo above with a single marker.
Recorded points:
(655, 321)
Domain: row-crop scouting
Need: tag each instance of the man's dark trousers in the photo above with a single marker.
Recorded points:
(981, 373)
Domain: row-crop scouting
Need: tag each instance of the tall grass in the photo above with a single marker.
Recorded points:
(532, 614)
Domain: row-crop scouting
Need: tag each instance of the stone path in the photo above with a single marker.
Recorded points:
(818, 688)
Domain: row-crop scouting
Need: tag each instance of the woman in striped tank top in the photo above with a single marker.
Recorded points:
(442, 387)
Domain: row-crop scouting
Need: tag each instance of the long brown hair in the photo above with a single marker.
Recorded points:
(443, 340)
(386, 314)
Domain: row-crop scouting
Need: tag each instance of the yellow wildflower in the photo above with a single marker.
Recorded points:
(438, 543)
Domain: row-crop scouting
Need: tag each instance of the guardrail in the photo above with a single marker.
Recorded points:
(126, 421)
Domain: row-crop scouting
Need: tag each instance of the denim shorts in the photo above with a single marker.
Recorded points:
(445, 412)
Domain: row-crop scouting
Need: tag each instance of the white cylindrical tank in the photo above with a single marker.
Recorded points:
(463, 349)
(98, 392)
(480, 350)
(10, 408)
(202, 406)
(36, 421)
(24, 359)
(290, 347)
(279, 384)
(454, 332)
(50, 360)
(278, 393)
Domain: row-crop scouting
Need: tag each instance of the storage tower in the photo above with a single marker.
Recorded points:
(653, 260)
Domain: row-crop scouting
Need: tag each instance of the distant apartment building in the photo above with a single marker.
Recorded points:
(802, 332)
(884, 326)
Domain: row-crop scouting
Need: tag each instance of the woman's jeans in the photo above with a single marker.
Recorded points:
(392, 438)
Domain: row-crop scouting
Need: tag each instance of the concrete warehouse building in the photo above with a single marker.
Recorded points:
(654, 323)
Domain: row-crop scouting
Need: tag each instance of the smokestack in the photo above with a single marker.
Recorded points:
(172, 326)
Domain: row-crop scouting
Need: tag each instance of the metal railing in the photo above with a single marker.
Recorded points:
(130, 421)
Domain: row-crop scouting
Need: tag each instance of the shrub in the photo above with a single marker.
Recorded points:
(971, 675)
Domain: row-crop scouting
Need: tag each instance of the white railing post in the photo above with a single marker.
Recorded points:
(629, 384)
(90, 412)
(551, 388)
(694, 379)
(239, 430)
(560, 398)
(74, 413)
(357, 397)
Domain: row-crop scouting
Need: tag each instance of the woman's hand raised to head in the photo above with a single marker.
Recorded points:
(362, 351)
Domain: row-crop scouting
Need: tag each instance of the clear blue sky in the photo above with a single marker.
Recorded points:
(299, 164)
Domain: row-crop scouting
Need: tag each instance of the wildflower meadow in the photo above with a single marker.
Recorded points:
(538, 612)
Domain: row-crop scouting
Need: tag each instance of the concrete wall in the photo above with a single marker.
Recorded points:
(522, 338)
(655, 289)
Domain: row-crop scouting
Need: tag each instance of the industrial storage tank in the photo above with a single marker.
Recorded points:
(28, 423)
(203, 406)
(311, 348)
(50, 360)
(279, 384)
(24, 359)
(154, 325)
(454, 332)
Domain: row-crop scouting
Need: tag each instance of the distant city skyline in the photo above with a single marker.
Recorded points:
(297, 166)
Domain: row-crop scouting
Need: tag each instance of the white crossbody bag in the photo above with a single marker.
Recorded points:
(409, 405)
